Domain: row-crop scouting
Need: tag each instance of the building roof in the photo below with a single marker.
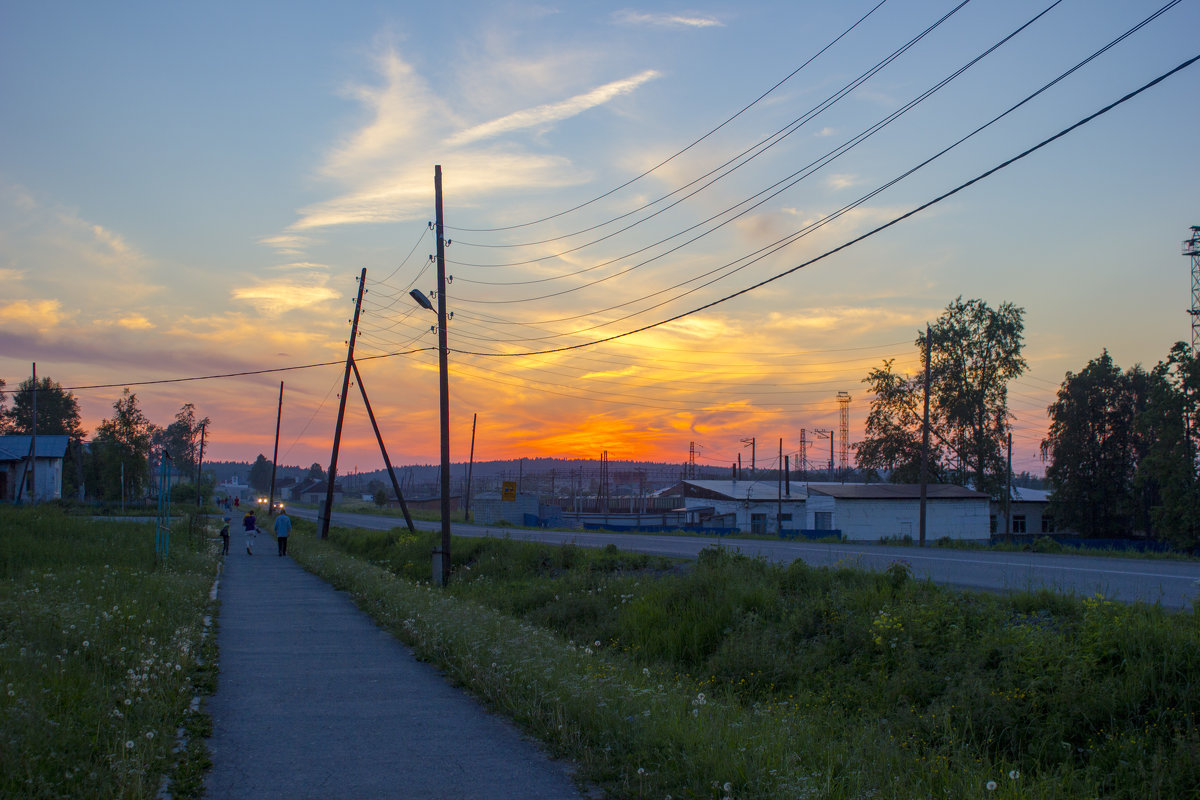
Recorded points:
(734, 490)
(894, 491)
(15, 447)
(1022, 494)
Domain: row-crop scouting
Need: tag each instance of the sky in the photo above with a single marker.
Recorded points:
(190, 190)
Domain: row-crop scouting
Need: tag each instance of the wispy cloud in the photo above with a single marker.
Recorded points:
(278, 297)
(383, 166)
(552, 112)
(842, 181)
(37, 314)
(289, 244)
(629, 17)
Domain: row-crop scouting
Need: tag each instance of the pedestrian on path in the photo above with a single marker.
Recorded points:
(283, 526)
(251, 526)
(225, 537)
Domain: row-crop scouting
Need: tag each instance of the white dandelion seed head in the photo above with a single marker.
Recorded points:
(129, 744)
(1014, 774)
(991, 786)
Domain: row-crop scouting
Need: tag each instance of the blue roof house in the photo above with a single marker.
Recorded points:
(18, 471)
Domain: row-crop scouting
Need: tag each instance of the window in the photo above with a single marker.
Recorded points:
(823, 520)
(1047, 524)
(1018, 524)
(758, 523)
(785, 517)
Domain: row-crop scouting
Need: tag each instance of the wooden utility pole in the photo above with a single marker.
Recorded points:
(275, 453)
(925, 441)
(779, 492)
(199, 461)
(470, 469)
(337, 433)
(443, 371)
(1008, 490)
(33, 495)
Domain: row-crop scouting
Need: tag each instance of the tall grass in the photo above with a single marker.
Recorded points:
(794, 681)
(98, 653)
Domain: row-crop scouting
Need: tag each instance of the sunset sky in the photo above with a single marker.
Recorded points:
(192, 189)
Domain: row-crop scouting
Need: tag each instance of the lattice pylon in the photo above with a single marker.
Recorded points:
(844, 429)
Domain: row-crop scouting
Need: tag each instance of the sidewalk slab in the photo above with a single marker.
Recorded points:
(314, 700)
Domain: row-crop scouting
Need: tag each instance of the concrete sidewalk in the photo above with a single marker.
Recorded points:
(316, 701)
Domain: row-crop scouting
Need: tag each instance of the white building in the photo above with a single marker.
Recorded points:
(874, 511)
(761, 507)
(858, 511)
(18, 472)
(1029, 513)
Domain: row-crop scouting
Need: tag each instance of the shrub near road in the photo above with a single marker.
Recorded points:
(744, 679)
(98, 653)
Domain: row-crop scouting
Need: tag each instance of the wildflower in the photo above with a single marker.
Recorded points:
(149, 734)
(596, 643)
(991, 786)
(86, 643)
(728, 787)
(1014, 774)
(646, 671)
(641, 770)
(129, 744)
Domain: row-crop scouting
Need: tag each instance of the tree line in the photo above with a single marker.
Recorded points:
(1120, 451)
(115, 463)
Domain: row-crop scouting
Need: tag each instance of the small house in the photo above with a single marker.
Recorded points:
(26, 476)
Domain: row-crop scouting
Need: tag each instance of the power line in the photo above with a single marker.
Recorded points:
(668, 160)
(878, 229)
(242, 374)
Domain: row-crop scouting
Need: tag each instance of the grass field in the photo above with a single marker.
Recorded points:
(736, 678)
(100, 656)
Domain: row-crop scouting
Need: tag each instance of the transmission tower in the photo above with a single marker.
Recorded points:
(1191, 249)
(691, 469)
(803, 453)
(843, 399)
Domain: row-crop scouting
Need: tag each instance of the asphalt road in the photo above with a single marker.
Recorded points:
(1172, 584)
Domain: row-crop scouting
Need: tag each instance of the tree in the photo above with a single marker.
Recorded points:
(57, 410)
(260, 474)
(974, 352)
(380, 497)
(182, 438)
(1169, 427)
(315, 473)
(125, 439)
(1093, 448)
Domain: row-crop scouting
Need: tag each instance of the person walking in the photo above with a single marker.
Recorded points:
(225, 537)
(251, 526)
(283, 526)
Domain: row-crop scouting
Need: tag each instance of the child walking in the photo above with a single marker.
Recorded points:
(251, 526)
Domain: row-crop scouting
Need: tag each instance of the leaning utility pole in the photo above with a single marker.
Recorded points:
(275, 454)
(337, 433)
(387, 462)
